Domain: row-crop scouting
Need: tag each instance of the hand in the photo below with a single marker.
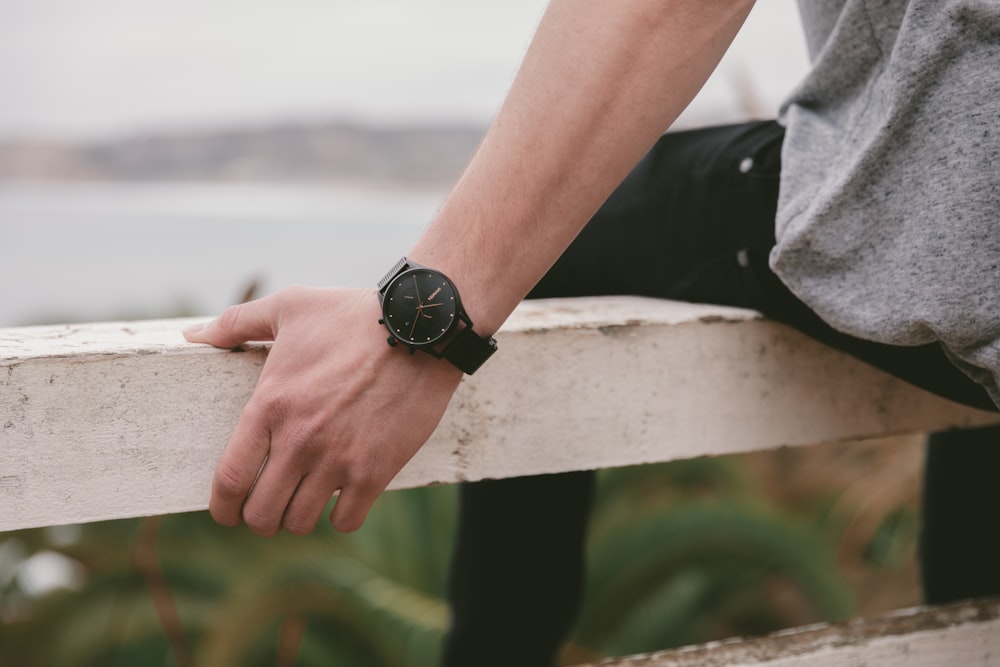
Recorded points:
(335, 408)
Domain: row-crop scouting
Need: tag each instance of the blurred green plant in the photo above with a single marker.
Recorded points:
(680, 553)
(893, 540)
(181, 591)
(687, 552)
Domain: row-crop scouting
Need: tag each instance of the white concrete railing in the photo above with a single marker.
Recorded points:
(965, 635)
(114, 420)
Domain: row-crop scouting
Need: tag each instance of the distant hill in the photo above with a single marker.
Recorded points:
(335, 151)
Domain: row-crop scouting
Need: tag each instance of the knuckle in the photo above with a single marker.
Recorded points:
(299, 525)
(303, 444)
(229, 318)
(305, 431)
(229, 483)
(368, 485)
(345, 474)
(259, 523)
(273, 403)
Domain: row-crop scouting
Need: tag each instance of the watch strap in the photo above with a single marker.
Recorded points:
(396, 269)
(467, 350)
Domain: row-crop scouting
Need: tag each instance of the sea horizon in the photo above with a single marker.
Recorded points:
(88, 251)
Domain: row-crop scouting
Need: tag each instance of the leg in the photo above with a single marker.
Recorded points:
(517, 571)
(959, 541)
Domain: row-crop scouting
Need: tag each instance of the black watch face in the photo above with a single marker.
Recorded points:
(419, 306)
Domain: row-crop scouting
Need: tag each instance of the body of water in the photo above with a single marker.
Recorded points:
(76, 252)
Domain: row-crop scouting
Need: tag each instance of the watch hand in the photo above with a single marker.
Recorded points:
(429, 305)
(416, 287)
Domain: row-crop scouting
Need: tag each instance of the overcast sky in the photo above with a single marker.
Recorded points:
(84, 69)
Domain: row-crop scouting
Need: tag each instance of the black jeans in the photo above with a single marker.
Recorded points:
(694, 221)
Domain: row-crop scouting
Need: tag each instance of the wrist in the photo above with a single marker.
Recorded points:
(487, 297)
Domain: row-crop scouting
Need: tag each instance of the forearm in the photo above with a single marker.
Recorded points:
(600, 82)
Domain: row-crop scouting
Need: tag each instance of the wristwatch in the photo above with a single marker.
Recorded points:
(422, 310)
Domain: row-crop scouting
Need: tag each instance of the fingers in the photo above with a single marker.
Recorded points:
(254, 320)
(238, 468)
(308, 503)
(306, 506)
(271, 480)
(264, 509)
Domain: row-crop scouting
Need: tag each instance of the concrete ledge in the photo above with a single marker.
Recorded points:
(962, 634)
(126, 419)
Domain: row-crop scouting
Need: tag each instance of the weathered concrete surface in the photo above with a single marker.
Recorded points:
(127, 419)
(965, 635)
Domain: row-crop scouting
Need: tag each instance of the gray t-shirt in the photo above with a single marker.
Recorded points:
(889, 213)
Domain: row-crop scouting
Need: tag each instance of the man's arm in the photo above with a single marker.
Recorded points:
(335, 407)
(599, 84)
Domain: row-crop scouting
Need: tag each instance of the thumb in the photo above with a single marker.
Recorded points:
(254, 320)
